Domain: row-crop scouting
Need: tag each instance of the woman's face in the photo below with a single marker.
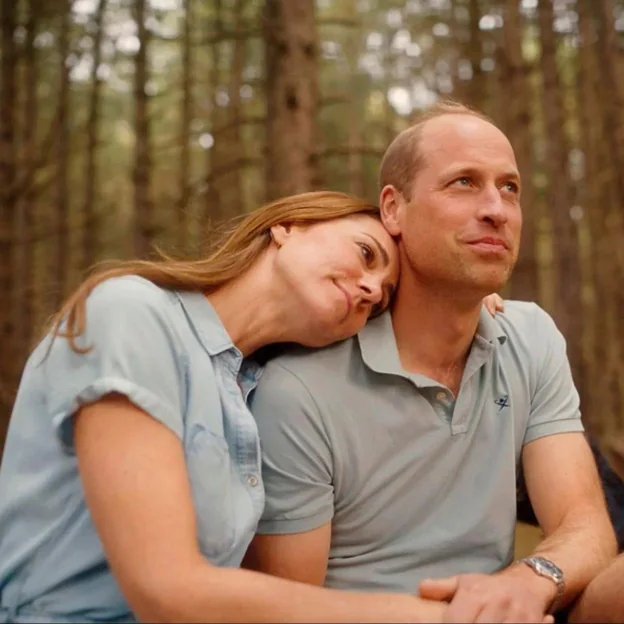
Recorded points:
(339, 273)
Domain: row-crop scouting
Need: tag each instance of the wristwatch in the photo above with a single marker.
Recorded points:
(546, 568)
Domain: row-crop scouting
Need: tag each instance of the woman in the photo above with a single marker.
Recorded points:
(130, 485)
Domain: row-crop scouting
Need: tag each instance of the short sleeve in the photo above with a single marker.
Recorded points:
(555, 401)
(296, 454)
(133, 353)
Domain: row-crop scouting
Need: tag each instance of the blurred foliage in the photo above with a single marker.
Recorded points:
(377, 63)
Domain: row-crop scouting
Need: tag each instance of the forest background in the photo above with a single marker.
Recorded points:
(131, 123)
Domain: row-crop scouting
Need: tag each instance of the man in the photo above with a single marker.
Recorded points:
(392, 458)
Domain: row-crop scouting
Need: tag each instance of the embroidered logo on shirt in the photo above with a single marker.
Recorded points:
(502, 402)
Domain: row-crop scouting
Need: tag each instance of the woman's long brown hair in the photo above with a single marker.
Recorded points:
(238, 249)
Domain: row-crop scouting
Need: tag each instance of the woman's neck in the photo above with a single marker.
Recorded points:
(252, 308)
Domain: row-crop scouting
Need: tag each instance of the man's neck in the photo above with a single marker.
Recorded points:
(434, 330)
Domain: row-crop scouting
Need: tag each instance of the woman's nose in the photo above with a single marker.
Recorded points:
(371, 290)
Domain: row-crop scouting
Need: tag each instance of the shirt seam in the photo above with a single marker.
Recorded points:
(322, 517)
(557, 421)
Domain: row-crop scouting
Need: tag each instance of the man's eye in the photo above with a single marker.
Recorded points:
(464, 181)
(511, 187)
(367, 252)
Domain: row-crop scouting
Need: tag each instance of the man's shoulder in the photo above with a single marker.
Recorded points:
(525, 319)
(530, 332)
(310, 366)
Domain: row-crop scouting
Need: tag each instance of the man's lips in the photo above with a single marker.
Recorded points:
(489, 243)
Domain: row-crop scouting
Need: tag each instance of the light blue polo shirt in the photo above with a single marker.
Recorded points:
(169, 353)
(415, 483)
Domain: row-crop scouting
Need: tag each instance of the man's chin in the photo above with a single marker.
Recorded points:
(474, 290)
(493, 280)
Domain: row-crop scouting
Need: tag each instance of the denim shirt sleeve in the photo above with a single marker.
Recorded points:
(133, 353)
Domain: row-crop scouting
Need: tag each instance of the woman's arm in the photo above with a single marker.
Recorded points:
(137, 489)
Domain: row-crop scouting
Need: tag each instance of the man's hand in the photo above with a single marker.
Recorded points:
(486, 598)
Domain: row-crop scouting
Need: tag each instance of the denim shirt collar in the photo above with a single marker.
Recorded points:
(213, 335)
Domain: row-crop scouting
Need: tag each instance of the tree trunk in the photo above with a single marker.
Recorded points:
(353, 49)
(292, 96)
(8, 206)
(214, 211)
(144, 219)
(560, 198)
(228, 150)
(185, 126)
(61, 263)
(514, 74)
(613, 89)
(607, 190)
(90, 232)
(24, 318)
(476, 90)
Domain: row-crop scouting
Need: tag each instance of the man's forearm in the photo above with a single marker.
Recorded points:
(582, 547)
(603, 599)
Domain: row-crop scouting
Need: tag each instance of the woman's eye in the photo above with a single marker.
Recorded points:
(367, 252)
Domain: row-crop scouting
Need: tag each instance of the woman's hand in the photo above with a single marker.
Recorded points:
(494, 303)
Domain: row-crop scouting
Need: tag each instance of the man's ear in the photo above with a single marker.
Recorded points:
(280, 233)
(391, 206)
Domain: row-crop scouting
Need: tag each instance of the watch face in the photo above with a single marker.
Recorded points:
(547, 567)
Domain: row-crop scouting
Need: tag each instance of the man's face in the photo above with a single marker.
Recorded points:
(461, 224)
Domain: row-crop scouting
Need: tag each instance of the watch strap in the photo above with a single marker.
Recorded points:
(546, 568)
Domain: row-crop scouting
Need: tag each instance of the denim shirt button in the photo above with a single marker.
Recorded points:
(252, 481)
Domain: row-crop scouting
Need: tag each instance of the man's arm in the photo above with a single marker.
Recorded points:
(299, 557)
(561, 475)
(564, 489)
(294, 533)
(563, 485)
(603, 599)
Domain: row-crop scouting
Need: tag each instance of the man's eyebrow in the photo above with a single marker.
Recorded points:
(511, 175)
(382, 252)
(458, 172)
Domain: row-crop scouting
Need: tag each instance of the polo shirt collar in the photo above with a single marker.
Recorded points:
(379, 348)
(489, 329)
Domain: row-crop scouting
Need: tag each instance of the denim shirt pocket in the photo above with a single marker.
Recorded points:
(213, 479)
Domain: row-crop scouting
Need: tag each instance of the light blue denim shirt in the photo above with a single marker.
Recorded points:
(169, 353)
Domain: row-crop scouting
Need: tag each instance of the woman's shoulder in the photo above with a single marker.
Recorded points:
(131, 290)
(131, 308)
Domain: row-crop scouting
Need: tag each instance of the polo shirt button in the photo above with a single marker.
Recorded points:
(441, 396)
(252, 481)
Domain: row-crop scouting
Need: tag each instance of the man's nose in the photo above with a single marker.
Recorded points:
(492, 207)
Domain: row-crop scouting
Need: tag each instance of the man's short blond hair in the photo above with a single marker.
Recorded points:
(403, 158)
